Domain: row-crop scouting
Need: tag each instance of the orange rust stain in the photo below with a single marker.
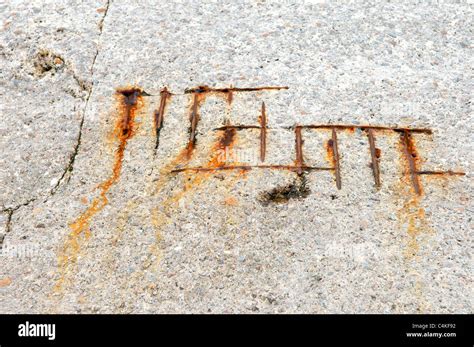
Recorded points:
(441, 174)
(158, 217)
(411, 215)
(160, 114)
(196, 102)
(230, 201)
(5, 282)
(161, 215)
(330, 157)
(412, 160)
(227, 93)
(222, 146)
(378, 153)
(129, 102)
(411, 218)
(441, 181)
(227, 138)
(191, 179)
(230, 97)
(350, 130)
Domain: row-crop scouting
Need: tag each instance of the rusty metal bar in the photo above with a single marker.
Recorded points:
(238, 127)
(337, 167)
(250, 167)
(263, 133)
(159, 115)
(410, 154)
(366, 127)
(375, 159)
(441, 173)
(194, 119)
(205, 89)
(299, 149)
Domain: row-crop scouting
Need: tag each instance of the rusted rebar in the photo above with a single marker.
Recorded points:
(410, 155)
(374, 157)
(263, 133)
(159, 115)
(299, 149)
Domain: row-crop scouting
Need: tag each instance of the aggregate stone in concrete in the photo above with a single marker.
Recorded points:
(121, 232)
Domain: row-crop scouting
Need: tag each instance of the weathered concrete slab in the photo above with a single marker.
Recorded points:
(46, 56)
(291, 217)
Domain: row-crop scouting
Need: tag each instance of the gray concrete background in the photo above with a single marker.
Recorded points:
(203, 242)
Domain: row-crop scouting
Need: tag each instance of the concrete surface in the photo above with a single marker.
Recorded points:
(94, 220)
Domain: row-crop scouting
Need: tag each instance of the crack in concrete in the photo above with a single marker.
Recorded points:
(9, 212)
(70, 166)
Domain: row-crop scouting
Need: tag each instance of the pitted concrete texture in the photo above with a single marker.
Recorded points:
(256, 156)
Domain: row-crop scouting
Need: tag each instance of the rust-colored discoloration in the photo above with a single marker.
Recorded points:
(160, 215)
(375, 155)
(411, 215)
(333, 154)
(230, 201)
(226, 139)
(227, 92)
(5, 282)
(223, 144)
(193, 118)
(198, 99)
(296, 190)
(340, 127)
(351, 127)
(230, 97)
(217, 160)
(250, 167)
(206, 89)
(165, 95)
(129, 101)
(299, 150)
(441, 173)
(263, 133)
(238, 127)
(412, 158)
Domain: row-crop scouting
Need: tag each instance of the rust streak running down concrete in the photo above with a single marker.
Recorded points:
(129, 101)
